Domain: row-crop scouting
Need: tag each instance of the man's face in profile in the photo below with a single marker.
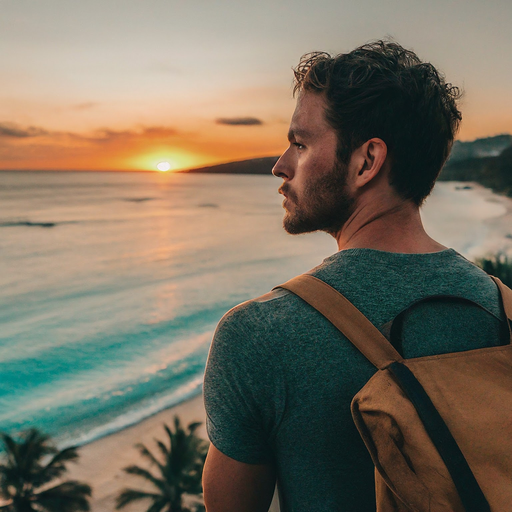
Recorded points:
(315, 182)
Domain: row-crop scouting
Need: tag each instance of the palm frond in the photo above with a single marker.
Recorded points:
(181, 468)
(158, 506)
(70, 496)
(56, 467)
(129, 495)
(146, 453)
(193, 427)
(25, 470)
(163, 449)
(69, 454)
(10, 447)
(144, 473)
(35, 445)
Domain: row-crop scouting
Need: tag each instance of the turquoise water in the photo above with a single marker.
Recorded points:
(112, 284)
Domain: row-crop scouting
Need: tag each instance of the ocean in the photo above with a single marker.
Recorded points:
(112, 284)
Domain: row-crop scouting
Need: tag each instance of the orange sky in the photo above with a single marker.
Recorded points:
(92, 87)
(143, 147)
(140, 148)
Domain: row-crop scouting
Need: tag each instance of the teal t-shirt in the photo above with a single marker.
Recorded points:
(280, 377)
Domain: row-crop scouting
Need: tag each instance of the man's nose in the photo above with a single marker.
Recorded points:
(283, 169)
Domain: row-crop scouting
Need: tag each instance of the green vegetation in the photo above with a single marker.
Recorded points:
(478, 148)
(499, 266)
(494, 172)
(178, 474)
(30, 464)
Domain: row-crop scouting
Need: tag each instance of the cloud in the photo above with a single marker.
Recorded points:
(12, 130)
(239, 121)
(100, 136)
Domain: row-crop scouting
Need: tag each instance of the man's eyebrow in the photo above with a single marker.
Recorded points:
(297, 132)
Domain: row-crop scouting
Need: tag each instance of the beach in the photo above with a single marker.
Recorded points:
(108, 314)
(469, 218)
(500, 226)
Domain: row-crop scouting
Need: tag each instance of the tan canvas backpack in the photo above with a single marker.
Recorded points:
(438, 428)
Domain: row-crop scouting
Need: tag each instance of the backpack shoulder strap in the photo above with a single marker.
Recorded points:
(506, 297)
(346, 317)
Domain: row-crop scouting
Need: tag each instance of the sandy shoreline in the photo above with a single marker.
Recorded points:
(500, 227)
(101, 462)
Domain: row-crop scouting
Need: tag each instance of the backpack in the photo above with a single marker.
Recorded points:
(438, 428)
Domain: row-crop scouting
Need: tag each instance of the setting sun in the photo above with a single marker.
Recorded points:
(163, 166)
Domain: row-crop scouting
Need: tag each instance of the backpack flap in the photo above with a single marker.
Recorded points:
(405, 458)
(472, 391)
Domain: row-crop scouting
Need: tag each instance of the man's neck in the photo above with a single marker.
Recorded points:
(394, 229)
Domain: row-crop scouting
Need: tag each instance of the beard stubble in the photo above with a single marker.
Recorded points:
(325, 204)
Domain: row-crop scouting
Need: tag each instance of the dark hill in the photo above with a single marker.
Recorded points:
(480, 148)
(492, 172)
(253, 166)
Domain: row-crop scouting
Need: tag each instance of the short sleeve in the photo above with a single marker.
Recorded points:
(236, 389)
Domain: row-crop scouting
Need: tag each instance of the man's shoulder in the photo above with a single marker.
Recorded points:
(263, 312)
(379, 284)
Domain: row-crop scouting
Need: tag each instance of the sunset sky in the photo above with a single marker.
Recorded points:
(126, 84)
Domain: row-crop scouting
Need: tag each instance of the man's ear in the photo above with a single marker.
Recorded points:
(368, 161)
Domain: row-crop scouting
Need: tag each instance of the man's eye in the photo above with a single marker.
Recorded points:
(298, 145)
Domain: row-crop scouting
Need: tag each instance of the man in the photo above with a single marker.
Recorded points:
(369, 136)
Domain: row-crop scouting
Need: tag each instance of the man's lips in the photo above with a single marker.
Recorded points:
(288, 200)
(284, 191)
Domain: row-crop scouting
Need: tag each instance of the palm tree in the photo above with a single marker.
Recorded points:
(499, 266)
(179, 473)
(29, 465)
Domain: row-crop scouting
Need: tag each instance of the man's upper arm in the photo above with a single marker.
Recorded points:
(239, 398)
(239, 472)
(232, 486)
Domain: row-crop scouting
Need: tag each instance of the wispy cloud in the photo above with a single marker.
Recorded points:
(239, 121)
(100, 136)
(13, 130)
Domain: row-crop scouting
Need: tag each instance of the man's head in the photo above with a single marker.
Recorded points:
(379, 91)
(316, 196)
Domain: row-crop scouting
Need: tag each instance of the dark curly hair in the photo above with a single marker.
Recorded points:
(383, 90)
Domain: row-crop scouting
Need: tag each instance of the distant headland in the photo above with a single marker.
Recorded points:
(252, 166)
(487, 161)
